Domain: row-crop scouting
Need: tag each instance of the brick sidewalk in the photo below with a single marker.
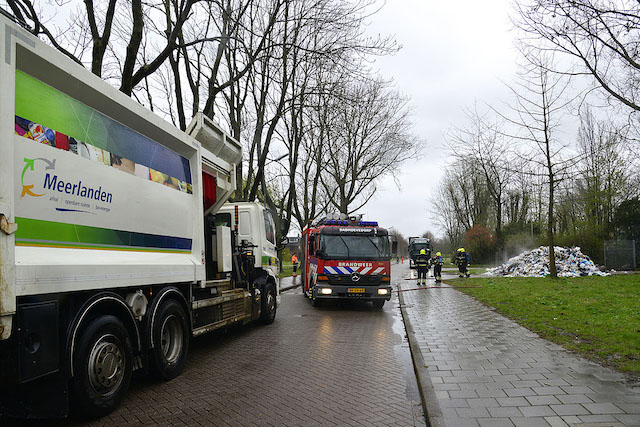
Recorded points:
(487, 370)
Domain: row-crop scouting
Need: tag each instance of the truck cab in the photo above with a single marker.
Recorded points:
(416, 244)
(346, 259)
(257, 232)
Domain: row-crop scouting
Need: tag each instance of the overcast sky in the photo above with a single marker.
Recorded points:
(450, 57)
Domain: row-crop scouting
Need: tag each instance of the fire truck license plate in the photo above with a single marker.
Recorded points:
(355, 290)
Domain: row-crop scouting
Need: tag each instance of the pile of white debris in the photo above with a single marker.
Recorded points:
(570, 262)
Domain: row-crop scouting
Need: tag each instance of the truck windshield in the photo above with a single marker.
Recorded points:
(417, 247)
(354, 247)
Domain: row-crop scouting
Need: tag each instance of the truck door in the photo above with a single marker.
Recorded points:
(305, 260)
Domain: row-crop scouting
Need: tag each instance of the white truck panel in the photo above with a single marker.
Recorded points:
(135, 231)
(49, 270)
(8, 37)
(223, 249)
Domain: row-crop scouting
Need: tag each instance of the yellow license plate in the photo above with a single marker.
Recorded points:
(355, 290)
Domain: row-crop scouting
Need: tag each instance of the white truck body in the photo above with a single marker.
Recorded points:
(101, 209)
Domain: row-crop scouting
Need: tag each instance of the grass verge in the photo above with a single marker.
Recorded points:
(597, 317)
(287, 270)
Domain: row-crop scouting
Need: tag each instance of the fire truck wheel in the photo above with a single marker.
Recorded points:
(170, 340)
(315, 302)
(102, 367)
(268, 311)
(379, 303)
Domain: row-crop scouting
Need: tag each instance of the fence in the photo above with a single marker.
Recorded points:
(620, 254)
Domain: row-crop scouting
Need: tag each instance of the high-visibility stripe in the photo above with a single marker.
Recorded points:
(348, 270)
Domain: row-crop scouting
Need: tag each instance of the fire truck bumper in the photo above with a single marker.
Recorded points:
(366, 293)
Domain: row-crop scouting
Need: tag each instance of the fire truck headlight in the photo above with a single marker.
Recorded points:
(325, 291)
(383, 291)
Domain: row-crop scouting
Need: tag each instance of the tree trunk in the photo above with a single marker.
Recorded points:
(553, 273)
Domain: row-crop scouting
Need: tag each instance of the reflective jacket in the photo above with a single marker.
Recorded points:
(422, 261)
(462, 257)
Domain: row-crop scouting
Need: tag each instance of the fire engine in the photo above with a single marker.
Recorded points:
(346, 258)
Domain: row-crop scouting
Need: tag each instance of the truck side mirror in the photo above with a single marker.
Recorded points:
(312, 246)
(283, 243)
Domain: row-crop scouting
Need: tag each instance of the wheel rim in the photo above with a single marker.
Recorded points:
(106, 365)
(171, 338)
(271, 303)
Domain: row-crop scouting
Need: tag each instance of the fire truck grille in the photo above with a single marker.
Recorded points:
(346, 280)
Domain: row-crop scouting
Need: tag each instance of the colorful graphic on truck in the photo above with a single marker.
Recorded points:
(62, 122)
(34, 232)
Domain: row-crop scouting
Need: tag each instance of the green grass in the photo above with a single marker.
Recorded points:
(287, 270)
(474, 271)
(598, 317)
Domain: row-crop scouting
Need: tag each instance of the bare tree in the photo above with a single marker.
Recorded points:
(604, 170)
(601, 35)
(369, 138)
(540, 102)
(483, 145)
(445, 215)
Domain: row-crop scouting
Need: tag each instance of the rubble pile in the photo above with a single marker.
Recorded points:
(570, 262)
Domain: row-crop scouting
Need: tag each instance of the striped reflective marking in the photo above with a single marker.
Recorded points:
(349, 270)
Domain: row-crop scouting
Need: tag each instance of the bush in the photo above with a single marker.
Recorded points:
(481, 244)
(590, 243)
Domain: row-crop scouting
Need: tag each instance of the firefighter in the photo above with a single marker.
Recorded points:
(294, 261)
(437, 262)
(422, 264)
(462, 260)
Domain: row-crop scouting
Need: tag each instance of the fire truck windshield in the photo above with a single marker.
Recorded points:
(374, 248)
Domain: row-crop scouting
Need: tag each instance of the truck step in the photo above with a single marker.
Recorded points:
(228, 295)
(221, 284)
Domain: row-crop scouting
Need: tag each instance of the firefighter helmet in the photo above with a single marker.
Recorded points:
(438, 254)
(423, 252)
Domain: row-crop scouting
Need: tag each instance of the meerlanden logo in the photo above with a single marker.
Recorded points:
(77, 189)
(53, 182)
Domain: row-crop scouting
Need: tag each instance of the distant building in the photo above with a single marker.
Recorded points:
(293, 245)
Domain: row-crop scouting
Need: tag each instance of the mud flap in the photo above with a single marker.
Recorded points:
(46, 397)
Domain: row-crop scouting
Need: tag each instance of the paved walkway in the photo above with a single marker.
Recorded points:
(290, 282)
(485, 370)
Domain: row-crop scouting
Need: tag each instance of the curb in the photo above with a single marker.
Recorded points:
(430, 404)
(289, 287)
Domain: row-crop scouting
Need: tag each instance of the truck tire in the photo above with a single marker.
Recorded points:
(170, 340)
(269, 308)
(102, 367)
(315, 302)
(378, 303)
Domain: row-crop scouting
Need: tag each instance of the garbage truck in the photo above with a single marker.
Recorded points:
(116, 245)
(416, 244)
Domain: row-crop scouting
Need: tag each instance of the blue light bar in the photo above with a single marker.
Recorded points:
(369, 223)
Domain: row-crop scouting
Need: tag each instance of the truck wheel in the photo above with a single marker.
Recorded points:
(170, 340)
(315, 302)
(268, 311)
(378, 303)
(102, 367)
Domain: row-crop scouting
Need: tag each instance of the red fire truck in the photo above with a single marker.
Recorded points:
(346, 258)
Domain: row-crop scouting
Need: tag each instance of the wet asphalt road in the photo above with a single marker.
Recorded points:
(344, 363)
